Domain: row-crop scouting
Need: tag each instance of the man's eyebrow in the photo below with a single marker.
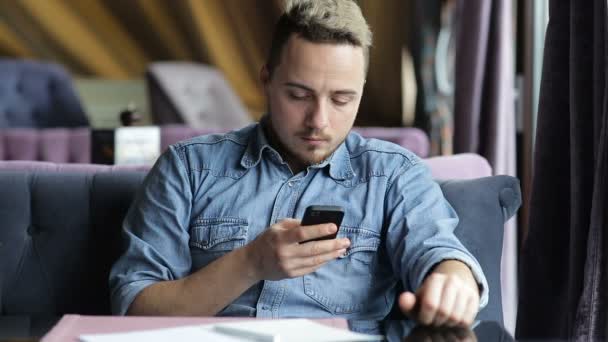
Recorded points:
(339, 92)
(298, 85)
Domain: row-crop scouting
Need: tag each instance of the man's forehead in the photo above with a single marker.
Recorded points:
(340, 56)
(343, 91)
(306, 63)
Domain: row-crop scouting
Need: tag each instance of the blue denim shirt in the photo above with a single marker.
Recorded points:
(214, 193)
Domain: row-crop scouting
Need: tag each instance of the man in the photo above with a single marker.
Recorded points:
(215, 229)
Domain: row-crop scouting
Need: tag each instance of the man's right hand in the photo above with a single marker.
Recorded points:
(277, 253)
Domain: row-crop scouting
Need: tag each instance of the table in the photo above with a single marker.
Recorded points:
(34, 327)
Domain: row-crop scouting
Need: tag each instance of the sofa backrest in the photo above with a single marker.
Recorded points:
(38, 94)
(61, 232)
(73, 145)
(60, 236)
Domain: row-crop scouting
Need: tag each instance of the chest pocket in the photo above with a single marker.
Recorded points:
(211, 238)
(342, 286)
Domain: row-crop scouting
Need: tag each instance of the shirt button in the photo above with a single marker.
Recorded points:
(290, 184)
(265, 307)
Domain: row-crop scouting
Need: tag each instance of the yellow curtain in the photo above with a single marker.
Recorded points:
(117, 39)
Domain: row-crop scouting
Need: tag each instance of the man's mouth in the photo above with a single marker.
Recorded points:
(314, 140)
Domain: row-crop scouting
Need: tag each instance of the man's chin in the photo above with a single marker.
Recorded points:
(315, 159)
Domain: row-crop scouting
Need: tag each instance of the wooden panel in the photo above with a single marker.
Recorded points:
(114, 37)
(165, 27)
(211, 18)
(74, 36)
(11, 45)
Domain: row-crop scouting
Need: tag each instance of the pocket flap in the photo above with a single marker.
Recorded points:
(218, 233)
(361, 240)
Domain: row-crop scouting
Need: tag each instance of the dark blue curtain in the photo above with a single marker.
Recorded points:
(563, 284)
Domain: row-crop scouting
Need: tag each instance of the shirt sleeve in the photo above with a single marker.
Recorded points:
(421, 226)
(155, 232)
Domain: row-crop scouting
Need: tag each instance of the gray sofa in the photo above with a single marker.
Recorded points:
(61, 229)
(38, 94)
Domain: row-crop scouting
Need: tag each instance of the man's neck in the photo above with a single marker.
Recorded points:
(275, 142)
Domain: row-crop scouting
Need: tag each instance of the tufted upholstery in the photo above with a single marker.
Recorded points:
(37, 94)
(73, 145)
(61, 230)
(67, 145)
(60, 236)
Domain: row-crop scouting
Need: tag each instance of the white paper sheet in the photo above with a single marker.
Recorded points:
(282, 330)
(296, 330)
(181, 334)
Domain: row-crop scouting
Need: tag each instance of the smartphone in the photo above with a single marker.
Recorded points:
(318, 214)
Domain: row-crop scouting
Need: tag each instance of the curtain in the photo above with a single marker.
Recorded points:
(484, 110)
(563, 284)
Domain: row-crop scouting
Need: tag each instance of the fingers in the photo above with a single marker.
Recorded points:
(288, 223)
(407, 304)
(471, 310)
(281, 255)
(313, 248)
(444, 300)
(445, 312)
(292, 233)
(459, 312)
(302, 266)
(305, 233)
(430, 296)
(318, 259)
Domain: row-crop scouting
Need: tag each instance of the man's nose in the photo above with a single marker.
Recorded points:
(318, 116)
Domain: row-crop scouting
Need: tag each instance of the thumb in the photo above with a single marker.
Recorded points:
(407, 303)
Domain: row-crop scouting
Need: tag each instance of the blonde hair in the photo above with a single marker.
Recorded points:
(320, 21)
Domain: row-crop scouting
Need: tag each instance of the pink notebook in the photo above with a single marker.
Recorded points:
(70, 327)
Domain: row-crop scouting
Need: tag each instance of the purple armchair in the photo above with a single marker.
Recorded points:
(73, 145)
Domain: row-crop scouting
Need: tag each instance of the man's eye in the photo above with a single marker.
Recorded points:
(340, 101)
(298, 96)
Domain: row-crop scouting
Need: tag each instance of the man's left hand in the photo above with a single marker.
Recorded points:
(448, 297)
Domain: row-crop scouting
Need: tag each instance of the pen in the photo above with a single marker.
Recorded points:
(248, 334)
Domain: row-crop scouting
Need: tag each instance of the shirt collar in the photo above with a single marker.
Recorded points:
(339, 164)
(255, 147)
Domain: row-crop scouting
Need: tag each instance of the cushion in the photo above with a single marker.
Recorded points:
(483, 206)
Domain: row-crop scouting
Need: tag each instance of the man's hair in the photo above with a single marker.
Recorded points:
(320, 21)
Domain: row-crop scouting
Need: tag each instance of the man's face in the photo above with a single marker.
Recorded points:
(313, 98)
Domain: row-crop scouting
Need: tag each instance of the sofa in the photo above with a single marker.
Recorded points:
(73, 145)
(62, 222)
(38, 94)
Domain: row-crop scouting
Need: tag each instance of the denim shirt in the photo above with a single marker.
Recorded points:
(212, 194)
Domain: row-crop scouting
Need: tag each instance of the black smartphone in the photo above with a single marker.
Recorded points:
(318, 214)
